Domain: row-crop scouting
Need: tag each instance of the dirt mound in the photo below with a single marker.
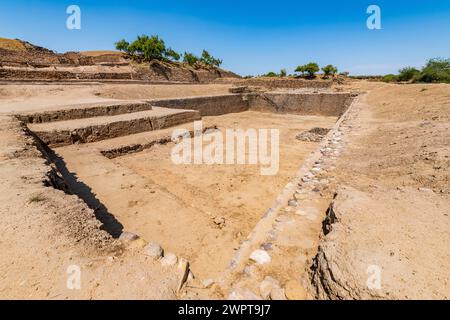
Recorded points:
(20, 60)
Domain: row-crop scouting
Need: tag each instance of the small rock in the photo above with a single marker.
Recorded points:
(426, 190)
(243, 294)
(293, 203)
(208, 283)
(267, 286)
(184, 267)
(154, 251)
(277, 294)
(219, 222)
(267, 246)
(295, 291)
(260, 257)
(169, 259)
(128, 237)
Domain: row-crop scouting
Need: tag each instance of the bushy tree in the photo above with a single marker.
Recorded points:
(390, 78)
(329, 70)
(146, 49)
(283, 73)
(209, 60)
(270, 74)
(407, 74)
(122, 45)
(436, 70)
(309, 69)
(190, 58)
(171, 54)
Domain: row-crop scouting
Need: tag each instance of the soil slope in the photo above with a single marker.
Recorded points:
(387, 231)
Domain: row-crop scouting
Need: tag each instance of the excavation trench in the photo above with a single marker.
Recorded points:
(199, 211)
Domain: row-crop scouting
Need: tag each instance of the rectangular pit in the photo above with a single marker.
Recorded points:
(202, 212)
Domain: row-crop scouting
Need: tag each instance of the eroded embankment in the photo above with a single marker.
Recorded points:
(385, 235)
(49, 235)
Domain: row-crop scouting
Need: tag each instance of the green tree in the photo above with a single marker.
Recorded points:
(436, 70)
(209, 60)
(300, 69)
(122, 45)
(283, 73)
(310, 69)
(329, 70)
(146, 49)
(171, 54)
(407, 74)
(270, 74)
(390, 78)
(190, 58)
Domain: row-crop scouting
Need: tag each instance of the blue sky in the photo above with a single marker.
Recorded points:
(252, 37)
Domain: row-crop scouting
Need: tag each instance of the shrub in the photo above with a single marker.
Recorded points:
(310, 69)
(171, 54)
(122, 45)
(329, 70)
(190, 58)
(209, 60)
(436, 70)
(283, 73)
(407, 74)
(270, 74)
(390, 78)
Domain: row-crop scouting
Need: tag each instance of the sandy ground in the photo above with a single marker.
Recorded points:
(180, 205)
(392, 205)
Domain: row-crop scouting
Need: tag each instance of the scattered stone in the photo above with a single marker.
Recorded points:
(184, 267)
(127, 237)
(267, 246)
(313, 135)
(426, 190)
(293, 203)
(295, 291)
(208, 283)
(260, 257)
(267, 286)
(243, 294)
(154, 251)
(278, 294)
(169, 259)
(219, 222)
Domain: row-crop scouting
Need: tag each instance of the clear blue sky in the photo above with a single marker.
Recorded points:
(252, 37)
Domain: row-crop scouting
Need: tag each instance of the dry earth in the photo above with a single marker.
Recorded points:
(391, 210)
(393, 203)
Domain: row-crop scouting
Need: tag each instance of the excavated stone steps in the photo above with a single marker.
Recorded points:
(87, 130)
(87, 110)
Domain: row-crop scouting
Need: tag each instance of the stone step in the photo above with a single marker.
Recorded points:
(62, 133)
(86, 110)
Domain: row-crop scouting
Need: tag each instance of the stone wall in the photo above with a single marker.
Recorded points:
(207, 106)
(288, 83)
(321, 104)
